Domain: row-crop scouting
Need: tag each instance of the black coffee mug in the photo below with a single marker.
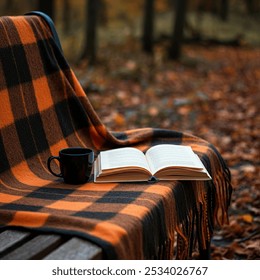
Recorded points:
(75, 164)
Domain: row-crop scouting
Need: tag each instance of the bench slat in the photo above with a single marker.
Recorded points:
(35, 248)
(76, 249)
(11, 238)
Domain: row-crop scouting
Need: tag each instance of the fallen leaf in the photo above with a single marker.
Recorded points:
(119, 119)
(247, 218)
(153, 111)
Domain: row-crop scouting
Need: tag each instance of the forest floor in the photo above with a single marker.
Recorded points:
(212, 92)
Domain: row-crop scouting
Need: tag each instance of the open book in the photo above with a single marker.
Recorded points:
(160, 162)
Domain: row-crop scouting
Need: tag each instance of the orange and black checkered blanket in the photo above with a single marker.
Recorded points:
(44, 109)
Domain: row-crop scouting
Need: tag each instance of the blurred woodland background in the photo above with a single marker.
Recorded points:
(187, 65)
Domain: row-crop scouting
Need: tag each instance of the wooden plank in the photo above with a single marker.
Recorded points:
(35, 248)
(11, 238)
(76, 249)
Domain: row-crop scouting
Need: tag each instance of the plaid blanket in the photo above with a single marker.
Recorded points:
(43, 109)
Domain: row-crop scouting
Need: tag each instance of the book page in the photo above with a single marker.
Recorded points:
(123, 157)
(167, 155)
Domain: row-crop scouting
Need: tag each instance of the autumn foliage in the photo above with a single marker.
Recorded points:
(213, 92)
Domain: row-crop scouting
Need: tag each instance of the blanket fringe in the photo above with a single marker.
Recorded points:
(212, 199)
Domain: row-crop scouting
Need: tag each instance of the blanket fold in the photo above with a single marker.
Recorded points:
(43, 109)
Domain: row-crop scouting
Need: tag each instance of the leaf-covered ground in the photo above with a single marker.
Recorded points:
(214, 93)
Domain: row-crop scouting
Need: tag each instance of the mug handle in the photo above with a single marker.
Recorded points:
(91, 159)
(49, 166)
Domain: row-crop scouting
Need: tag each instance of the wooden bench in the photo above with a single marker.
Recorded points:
(26, 245)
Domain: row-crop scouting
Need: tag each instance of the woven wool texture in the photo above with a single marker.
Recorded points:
(43, 109)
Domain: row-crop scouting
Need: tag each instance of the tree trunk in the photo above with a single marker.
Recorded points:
(148, 26)
(178, 29)
(224, 8)
(66, 16)
(46, 6)
(8, 5)
(89, 49)
(250, 6)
